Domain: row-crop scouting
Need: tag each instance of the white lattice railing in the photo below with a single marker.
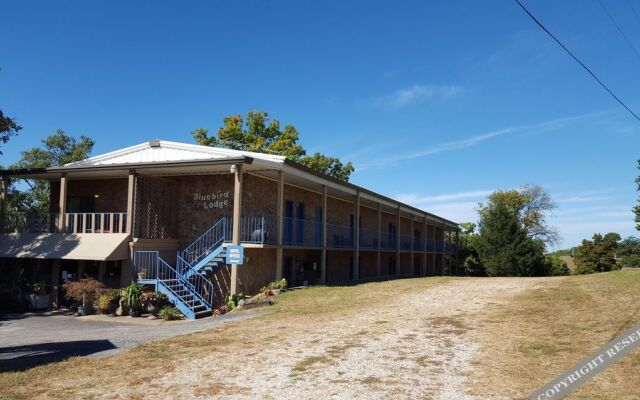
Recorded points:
(101, 222)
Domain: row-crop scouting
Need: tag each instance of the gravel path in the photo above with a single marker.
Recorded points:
(418, 345)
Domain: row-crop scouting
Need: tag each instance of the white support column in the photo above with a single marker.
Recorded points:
(55, 282)
(424, 247)
(237, 215)
(3, 203)
(323, 256)
(398, 233)
(280, 222)
(131, 189)
(356, 236)
(62, 203)
(444, 259)
(457, 249)
(433, 252)
(413, 237)
(379, 255)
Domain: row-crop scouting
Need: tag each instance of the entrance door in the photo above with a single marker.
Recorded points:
(288, 270)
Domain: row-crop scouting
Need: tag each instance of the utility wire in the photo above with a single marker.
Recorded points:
(635, 13)
(626, 38)
(576, 59)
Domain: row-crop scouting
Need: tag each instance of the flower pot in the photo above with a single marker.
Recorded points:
(38, 301)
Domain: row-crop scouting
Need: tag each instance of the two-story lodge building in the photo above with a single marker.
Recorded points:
(164, 213)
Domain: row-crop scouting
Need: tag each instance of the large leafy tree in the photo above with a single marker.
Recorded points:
(468, 249)
(56, 150)
(8, 128)
(513, 232)
(258, 133)
(598, 254)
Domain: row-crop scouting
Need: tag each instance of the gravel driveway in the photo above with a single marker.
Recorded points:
(31, 339)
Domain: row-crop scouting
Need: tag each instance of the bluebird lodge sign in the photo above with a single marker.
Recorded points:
(210, 201)
(235, 255)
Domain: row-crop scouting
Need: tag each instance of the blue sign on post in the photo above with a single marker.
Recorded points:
(235, 254)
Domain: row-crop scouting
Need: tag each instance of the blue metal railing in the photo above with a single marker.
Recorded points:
(368, 239)
(339, 236)
(202, 246)
(418, 244)
(301, 232)
(388, 241)
(198, 284)
(406, 242)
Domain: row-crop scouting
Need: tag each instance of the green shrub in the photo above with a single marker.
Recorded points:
(132, 296)
(232, 301)
(170, 313)
(557, 267)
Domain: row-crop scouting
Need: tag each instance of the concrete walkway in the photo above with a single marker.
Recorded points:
(31, 339)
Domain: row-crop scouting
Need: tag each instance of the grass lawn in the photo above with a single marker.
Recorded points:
(543, 332)
(409, 338)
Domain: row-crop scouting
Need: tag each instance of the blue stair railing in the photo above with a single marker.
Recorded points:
(205, 244)
(193, 296)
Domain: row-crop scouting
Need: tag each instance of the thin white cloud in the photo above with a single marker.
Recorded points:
(472, 141)
(416, 94)
(420, 199)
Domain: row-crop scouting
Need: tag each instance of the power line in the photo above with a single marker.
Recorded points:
(626, 38)
(576, 59)
(635, 13)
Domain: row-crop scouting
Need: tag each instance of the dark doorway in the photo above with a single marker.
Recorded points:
(288, 270)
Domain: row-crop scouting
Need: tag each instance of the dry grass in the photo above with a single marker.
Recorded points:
(542, 333)
(136, 371)
(345, 342)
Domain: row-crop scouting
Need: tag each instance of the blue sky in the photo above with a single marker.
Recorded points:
(437, 103)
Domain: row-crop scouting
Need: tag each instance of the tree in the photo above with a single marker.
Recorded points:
(8, 128)
(530, 204)
(513, 232)
(629, 252)
(597, 255)
(556, 266)
(57, 150)
(468, 249)
(258, 133)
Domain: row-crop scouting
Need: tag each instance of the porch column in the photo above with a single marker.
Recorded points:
(62, 204)
(356, 237)
(424, 247)
(323, 256)
(379, 256)
(444, 258)
(3, 203)
(398, 233)
(131, 188)
(413, 239)
(237, 214)
(458, 252)
(433, 251)
(280, 222)
(55, 282)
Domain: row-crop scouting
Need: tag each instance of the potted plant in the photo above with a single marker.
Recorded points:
(108, 301)
(154, 301)
(39, 296)
(83, 291)
(132, 299)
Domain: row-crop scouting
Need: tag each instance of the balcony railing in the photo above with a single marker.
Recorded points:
(260, 229)
(368, 239)
(30, 223)
(103, 222)
(263, 229)
(406, 242)
(339, 236)
(302, 232)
